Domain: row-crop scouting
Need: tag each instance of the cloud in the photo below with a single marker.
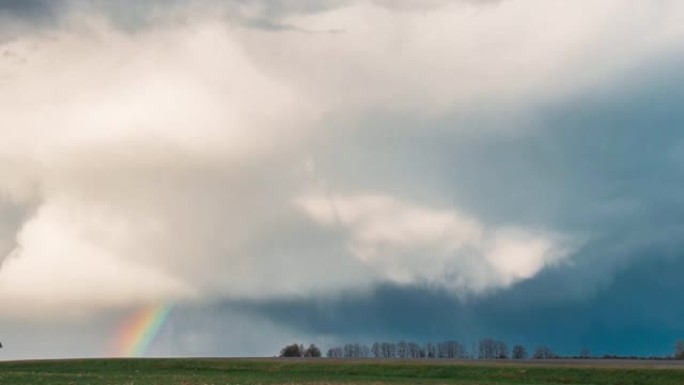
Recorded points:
(169, 162)
(33, 8)
(412, 245)
(621, 318)
(119, 152)
(64, 258)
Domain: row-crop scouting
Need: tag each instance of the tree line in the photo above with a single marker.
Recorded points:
(486, 348)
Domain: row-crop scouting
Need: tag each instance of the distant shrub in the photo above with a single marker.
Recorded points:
(298, 350)
(544, 352)
(312, 351)
(519, 352)
(293, 350)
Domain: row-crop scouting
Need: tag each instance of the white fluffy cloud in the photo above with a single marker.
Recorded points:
(168, 162)
(409, 244)
(129, 144)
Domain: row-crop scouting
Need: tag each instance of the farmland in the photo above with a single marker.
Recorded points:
(215, 371)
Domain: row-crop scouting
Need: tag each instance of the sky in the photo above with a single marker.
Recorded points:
(339, 171)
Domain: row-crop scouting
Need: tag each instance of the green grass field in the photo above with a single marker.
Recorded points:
(266, 371)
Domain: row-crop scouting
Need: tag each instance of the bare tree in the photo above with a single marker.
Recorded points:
(585, 353)
(489, 349)
(377, 350)
(430, 350)
(519, 352)
(334, 352)
(389, 350)
(679, 350)
(355, 351)
(361, 351)
(486, 349)
(501, 350)
(402, 349)
(461, 351)
(364, 351)
(422, 352)
(544, 352)
(312, 351)
(442, 350)
(446, 349)
(414, 350)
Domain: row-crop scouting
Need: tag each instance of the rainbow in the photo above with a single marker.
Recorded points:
(139, 331)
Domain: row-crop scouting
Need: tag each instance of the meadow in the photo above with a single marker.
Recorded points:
(324, 371)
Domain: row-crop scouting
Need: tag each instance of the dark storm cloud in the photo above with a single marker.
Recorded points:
(18, 17)
(29, 8)
(606, 167)
(638, 313)
(137, 14)
(265, 14)
(135, 10)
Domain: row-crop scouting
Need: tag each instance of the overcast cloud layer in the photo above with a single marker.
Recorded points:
(276, 154)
